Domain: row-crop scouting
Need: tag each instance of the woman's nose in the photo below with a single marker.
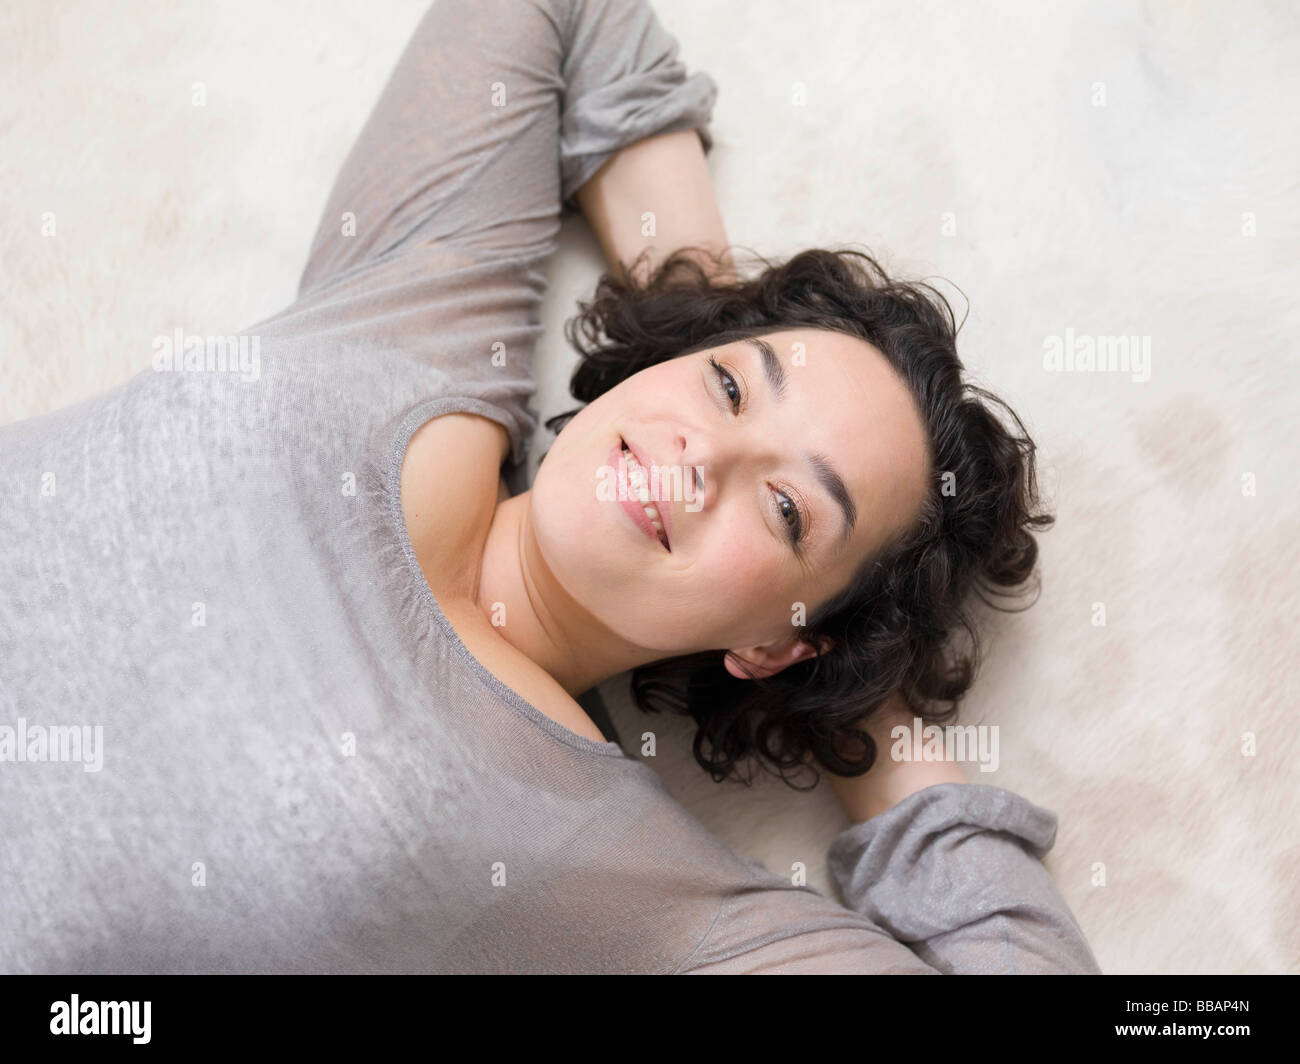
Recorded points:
(696, 472)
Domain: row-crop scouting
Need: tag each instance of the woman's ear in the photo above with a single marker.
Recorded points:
(771, 658)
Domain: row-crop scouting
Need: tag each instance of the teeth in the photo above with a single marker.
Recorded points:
(637, 478)
(640, 486)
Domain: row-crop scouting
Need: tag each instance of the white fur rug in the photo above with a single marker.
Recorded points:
(1082, 171)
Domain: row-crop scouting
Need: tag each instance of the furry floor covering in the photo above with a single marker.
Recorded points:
(1082, 171)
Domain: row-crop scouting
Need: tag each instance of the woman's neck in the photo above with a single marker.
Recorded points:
(520, 597)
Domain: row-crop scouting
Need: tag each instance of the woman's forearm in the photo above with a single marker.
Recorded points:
(656, 194)
(888, 782)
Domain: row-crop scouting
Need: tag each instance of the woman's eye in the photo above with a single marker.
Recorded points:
(728, 385)
(788, 511)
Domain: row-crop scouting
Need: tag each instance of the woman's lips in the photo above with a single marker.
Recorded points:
(664, 505)
(632, 505)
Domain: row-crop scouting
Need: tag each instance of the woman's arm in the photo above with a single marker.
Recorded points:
(949, 880)
(888, 781)
(656, 194)
(951, 868)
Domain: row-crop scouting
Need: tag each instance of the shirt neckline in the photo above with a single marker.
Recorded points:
(415, 419)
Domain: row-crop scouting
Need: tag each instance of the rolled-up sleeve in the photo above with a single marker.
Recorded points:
(954, 871)
(624, 82)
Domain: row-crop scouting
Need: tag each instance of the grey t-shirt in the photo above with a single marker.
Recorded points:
(237, 734)
(302, 769)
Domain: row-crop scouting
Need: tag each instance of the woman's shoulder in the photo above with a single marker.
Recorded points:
(463, 433)
(450, 485)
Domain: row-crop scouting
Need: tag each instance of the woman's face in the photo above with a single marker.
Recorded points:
(779, 470)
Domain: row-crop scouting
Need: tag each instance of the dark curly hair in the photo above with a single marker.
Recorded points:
(895, 627)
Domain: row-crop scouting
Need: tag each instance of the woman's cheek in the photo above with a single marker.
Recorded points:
(753, 575)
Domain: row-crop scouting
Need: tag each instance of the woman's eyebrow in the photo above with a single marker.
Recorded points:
(772, 368)
(832, 483)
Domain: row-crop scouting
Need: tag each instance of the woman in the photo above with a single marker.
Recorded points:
(336, 666)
